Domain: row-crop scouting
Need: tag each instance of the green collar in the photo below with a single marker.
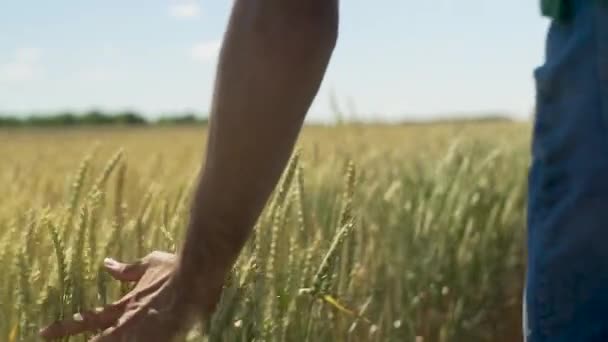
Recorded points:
(561, 9)
(556, 9)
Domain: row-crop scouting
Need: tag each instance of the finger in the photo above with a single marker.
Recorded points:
(131, 311)
(113, 334)
(106, 336)
(139, 325)
(122, 327)
(98, 319)
(125, 272)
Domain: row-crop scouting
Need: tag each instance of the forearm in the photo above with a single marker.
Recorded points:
(271, 65)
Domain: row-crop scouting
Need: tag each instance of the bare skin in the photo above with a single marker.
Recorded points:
(273, 59)
(151, 300)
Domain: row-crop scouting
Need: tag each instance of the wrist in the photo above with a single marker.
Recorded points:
(212, 245)
(199, 276)
(197, 292)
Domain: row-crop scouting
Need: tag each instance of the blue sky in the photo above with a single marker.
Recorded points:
(395, 58)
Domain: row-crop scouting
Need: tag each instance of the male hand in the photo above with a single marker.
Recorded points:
(157, 309)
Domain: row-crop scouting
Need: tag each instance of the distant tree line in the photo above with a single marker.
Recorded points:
(97, 118)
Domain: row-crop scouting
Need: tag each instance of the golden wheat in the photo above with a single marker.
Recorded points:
(374, 233)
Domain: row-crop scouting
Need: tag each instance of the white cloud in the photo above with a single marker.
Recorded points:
(99, 74)
(109, 50)
(185, 9)
(17, 71)
(28, 55)
(24, 66)
(206, 51)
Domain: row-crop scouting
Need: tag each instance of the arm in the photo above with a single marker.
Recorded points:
(272, 62)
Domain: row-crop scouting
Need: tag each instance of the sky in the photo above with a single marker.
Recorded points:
(395, 59)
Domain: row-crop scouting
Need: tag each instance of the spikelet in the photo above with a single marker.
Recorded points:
(139, 223)
(272, 273)
(310, 253)
(346, 216)
(32, 240)
(102, 276)
(281, 273)
(289, 285)
(178, 214)
(291, 263)
(171, 245)
(102, 179)
(180, 200)
(99, 185)
(119, 207)
(164, 212)
(110, 243)
(277, 210)
(300, 210)
(42, 279)
(75, 192)
(24, 295)
(77, 263)
(84, 264)
(24, 266)
(62, 275)
(348, 194)
(283, 187)
(252, 245)
(90, 253)
(320, 281)
(274, 236)
(110, 248)
(290, 170)
(4, 247)
(247, 272)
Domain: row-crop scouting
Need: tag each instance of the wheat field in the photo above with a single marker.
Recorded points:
(375, 233)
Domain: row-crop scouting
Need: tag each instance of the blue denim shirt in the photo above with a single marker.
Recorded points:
(567, 278)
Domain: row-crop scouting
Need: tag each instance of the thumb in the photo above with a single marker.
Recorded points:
(125, 272)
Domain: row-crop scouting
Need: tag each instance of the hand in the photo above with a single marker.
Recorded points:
(157, 309)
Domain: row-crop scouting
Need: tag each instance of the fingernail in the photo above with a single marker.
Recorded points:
(44, 332)
(110, 263)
